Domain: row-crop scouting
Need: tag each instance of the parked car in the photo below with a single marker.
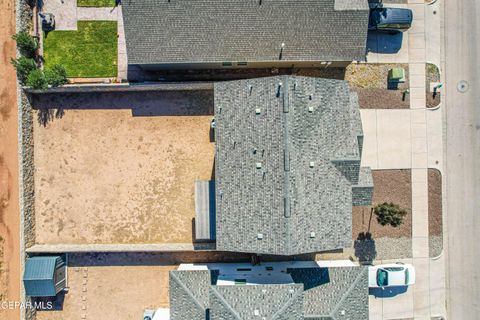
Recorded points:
(390, 20)
(391, 275)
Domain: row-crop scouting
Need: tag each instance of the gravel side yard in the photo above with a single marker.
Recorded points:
(435, 217)
(385, 242)
(370, 81)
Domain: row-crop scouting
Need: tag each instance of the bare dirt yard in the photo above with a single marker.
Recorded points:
(105, 176)
(9, 204)
(123, 285)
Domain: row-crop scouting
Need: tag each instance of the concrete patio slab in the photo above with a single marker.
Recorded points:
(65, 12)
(94, 13)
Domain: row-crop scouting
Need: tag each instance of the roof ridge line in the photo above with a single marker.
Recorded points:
(184, 287)
(347, 292)
(288, 303)
(215, 292)
(286, 178)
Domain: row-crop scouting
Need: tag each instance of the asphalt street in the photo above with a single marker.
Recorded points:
(462, 37)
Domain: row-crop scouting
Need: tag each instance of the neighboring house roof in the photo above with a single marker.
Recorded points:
(315, 293)
(189, 290)
(288, 152)
(334, 293)
(275, 302)
(199, 31)
(39, 276)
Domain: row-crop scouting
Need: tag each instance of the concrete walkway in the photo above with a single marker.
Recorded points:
(412, 139)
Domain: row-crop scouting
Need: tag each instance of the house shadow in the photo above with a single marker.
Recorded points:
(142, 103)
(310, 277)
(365, 249)
(388, 292)
(383, 42)
(49, 303)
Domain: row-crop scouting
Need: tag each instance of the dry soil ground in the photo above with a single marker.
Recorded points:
(122, 285)
(105, 176)
(9, 207)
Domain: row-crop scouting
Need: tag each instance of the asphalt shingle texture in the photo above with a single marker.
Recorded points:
(216, 31)
(334, 293)
(287, 156)
(315, 293)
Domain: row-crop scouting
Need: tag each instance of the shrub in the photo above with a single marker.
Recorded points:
(36, 80)
(56, 75)
(24, 66)
(26, 44)
(389, 214)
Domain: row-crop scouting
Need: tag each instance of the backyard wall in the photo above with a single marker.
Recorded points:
(24, 16)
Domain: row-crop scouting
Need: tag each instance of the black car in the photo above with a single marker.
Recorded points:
(390, 19)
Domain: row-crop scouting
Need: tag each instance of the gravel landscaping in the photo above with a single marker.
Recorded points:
(370, 81)
(432, 75)
(435, 223)
(374, 241)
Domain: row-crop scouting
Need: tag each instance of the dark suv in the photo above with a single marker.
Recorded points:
(390, 20)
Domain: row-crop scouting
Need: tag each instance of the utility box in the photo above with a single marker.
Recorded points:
(45, 276)
(396, 75)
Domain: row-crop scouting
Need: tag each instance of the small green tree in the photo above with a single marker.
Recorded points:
(24, 66)
(56, 75)
(36, 80)
(389, 214)
(27, 44)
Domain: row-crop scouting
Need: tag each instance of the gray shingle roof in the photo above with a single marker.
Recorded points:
(189, 292)
(286, 159)
(282, 301)
(196, 31)
(317, 293)
(335, 293)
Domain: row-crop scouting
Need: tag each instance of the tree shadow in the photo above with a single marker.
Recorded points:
(44, 115)
(365, 249)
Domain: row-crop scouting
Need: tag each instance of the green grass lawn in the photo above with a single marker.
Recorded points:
(96, 3)
(89, 52)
